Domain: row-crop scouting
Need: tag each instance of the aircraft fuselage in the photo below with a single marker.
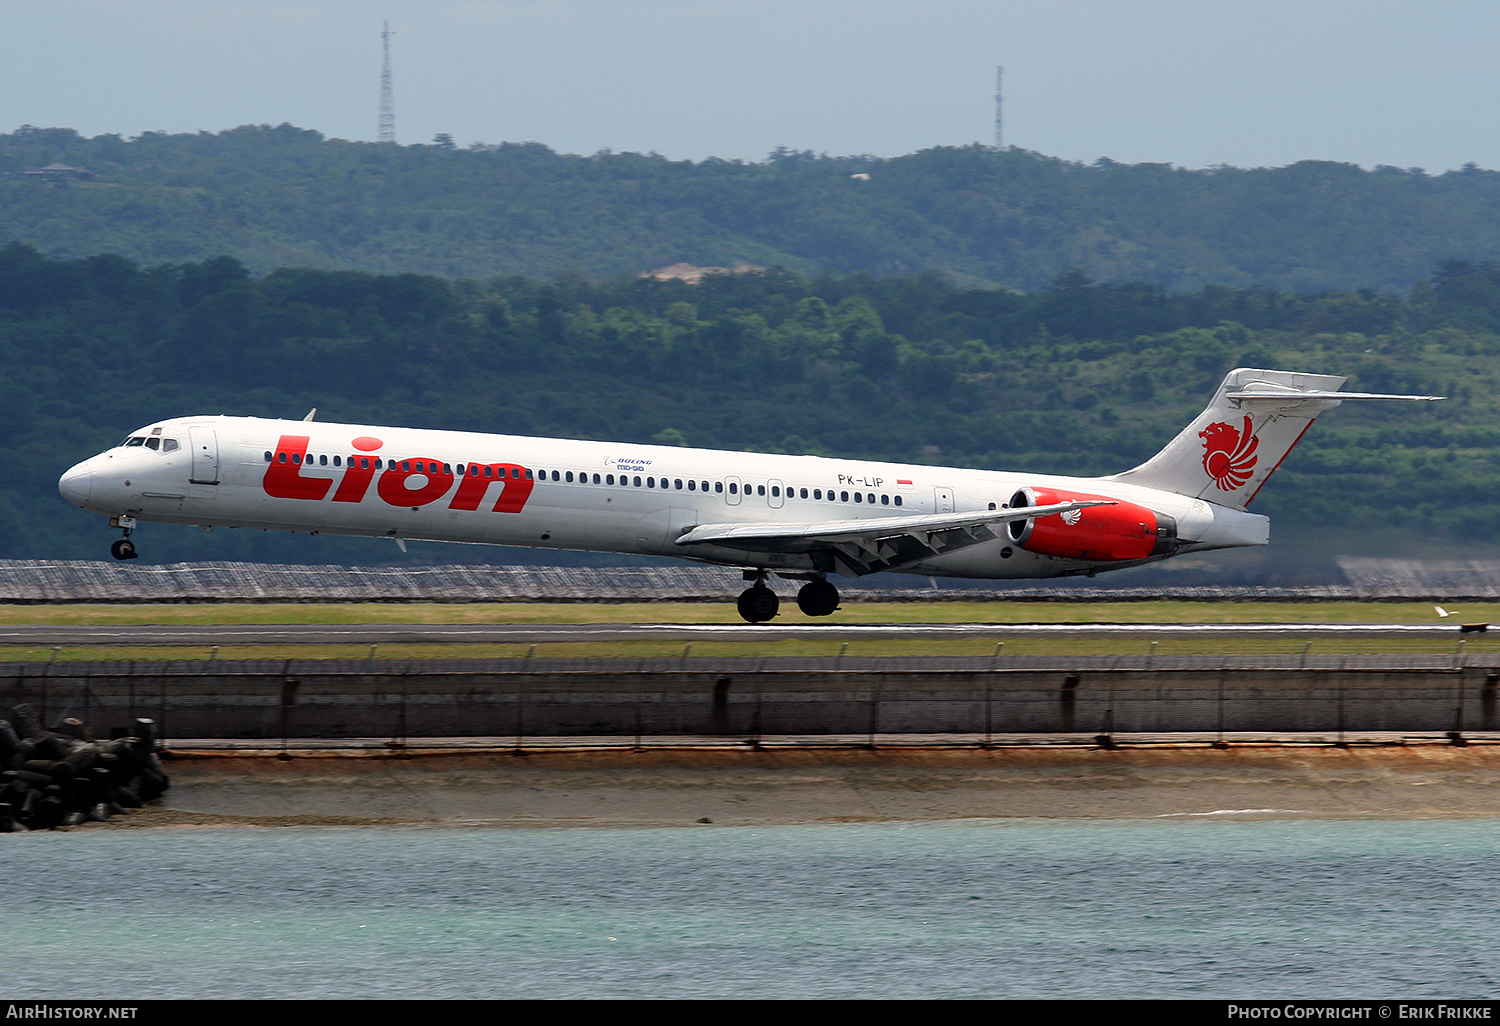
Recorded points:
(416, 484)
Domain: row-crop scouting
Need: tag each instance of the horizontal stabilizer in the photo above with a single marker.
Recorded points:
(1306, 396)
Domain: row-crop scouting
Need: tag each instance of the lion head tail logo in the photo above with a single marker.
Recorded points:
(1229, 454)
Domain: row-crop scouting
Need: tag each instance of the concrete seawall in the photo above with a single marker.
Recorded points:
(755, 697)
(727, 787)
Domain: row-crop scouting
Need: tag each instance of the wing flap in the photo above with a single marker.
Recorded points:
(871, 544)
(871, 528)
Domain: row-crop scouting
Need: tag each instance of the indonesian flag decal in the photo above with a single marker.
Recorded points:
(903, 483)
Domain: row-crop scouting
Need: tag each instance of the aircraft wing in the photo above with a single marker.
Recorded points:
(871, 544)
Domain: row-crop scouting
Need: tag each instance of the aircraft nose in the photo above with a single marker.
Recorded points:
(76, 484)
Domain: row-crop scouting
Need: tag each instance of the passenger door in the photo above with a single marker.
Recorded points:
(205, 446)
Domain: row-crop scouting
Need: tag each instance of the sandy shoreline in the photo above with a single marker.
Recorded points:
(745, 787)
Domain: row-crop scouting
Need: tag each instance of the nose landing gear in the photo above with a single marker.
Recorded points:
(124, 548)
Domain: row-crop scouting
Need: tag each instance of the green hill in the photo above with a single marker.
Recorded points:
(274, 197)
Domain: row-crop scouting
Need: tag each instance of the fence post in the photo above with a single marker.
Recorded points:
(401, 727)
(1343, 683)
(1456, 735)
(1221, 743)
(989, 722)
(288, 701)
(1106, 738)
(520, 720)
(638, 715)
(755, 726)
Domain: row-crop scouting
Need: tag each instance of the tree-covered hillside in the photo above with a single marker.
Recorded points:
(273, 197)
(1076, 377)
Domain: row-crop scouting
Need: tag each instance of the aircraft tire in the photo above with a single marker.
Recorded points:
(818, 598)
(758, 604)
(123, 549)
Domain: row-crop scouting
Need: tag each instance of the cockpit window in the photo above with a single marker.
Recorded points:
(136, 440)
(169, 445)
(153, 443)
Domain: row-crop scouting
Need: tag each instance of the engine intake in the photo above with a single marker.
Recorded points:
(1124, 531)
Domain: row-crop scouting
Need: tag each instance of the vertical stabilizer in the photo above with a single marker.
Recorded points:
(1252, 422)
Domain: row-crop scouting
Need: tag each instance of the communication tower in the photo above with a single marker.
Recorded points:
(999, 108)
(387, 104)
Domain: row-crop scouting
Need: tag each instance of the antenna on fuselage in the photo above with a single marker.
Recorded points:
(311, 413)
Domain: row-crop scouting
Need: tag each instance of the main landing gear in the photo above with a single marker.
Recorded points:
(818, 598)
(758, 603)
(124, 548)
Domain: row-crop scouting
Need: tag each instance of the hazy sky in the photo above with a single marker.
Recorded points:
(1190, 82)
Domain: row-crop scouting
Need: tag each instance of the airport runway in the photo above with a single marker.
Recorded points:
(500, 634)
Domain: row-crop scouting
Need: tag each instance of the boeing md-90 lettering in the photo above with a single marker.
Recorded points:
(799, 517)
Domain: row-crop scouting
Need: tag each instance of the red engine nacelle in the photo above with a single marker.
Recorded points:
(1119, 532)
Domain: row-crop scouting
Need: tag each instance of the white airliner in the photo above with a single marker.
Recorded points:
(799, 517)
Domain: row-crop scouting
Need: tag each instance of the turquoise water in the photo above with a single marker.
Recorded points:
(1010, 909)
